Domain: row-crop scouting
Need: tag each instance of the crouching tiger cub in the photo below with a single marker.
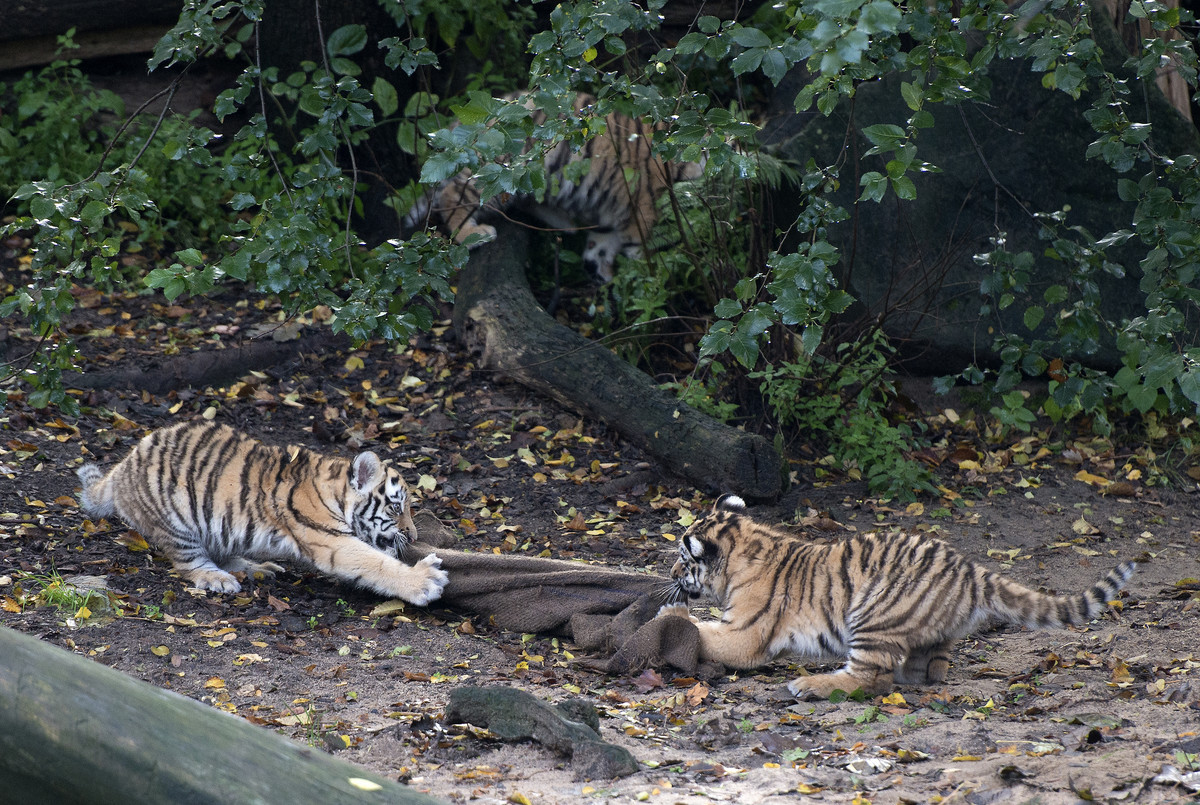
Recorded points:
(891, 605)
(217, 502)
(614, 200)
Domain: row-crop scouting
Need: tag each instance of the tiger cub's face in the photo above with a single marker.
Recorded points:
(694, 568)
(699, 570)
(382, 516)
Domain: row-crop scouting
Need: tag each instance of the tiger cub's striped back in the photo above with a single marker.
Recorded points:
(891, 605)
(614, 200)
(217, 502)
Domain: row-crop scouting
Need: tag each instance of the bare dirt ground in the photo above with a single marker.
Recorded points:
(1052, 716)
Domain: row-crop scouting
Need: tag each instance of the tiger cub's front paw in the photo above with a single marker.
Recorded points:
(678, 610)
(431, 580)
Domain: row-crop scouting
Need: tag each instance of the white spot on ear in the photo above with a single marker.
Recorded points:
(695, 547)
(366, 470)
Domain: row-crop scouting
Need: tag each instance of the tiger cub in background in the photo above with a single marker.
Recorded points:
(891, 605)
(615, 200)
(216, 502)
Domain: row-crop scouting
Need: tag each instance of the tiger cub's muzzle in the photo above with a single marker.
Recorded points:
(687, 581)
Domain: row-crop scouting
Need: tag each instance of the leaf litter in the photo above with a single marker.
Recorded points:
(1110, 710)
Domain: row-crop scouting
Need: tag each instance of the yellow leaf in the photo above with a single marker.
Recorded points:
(133, 541)
(364, 785)
(83, 613)
(964, 758)
(915, 509)
(354, 362)
(1084, 528)
(1089, 478)
(427, 482)
(518, 798)
(589, 55)
(805, 788)
(896, 698)
(10, 604)
(160, 651)
(770, 765)
(393, 607)
(215, 683)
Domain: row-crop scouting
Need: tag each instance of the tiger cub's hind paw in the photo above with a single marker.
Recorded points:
(430, 580)
(255, 570)
(213, 579)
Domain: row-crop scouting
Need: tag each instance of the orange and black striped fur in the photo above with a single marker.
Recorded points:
(892, 605)
(216, 502)
(614, 201)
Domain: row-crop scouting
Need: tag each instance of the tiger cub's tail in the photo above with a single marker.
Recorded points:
(96, 498)
(1021, 605)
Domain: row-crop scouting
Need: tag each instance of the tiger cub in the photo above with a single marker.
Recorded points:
(216, 502)
(615, 200)
(891, 605)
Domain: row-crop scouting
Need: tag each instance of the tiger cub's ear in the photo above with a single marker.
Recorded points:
(365, 472)
(730, 503)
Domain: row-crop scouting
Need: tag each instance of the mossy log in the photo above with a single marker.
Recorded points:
(75, 731)
(496, 314)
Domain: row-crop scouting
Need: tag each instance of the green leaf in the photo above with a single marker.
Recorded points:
(190, 257)
(743, 347)
(385, 96)
(884, 135)
(440, 166)
(1033, 317)
(879, 16)
(911, 94)
(347, 40)
(1142, 397)
(874, 186)
(237, 265)
(1189, 384)
(343, 66)
(750, 37)
(1055, 294)
(774, 66)
(745, 62)
(94, 213)
(727, 309)
(904, 187)
(691, 43)
(472, 113)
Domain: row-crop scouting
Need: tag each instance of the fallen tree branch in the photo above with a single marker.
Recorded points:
(207, 367)
(73, 731)
(496, 315)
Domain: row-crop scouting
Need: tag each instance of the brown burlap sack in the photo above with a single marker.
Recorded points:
(603, 610)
